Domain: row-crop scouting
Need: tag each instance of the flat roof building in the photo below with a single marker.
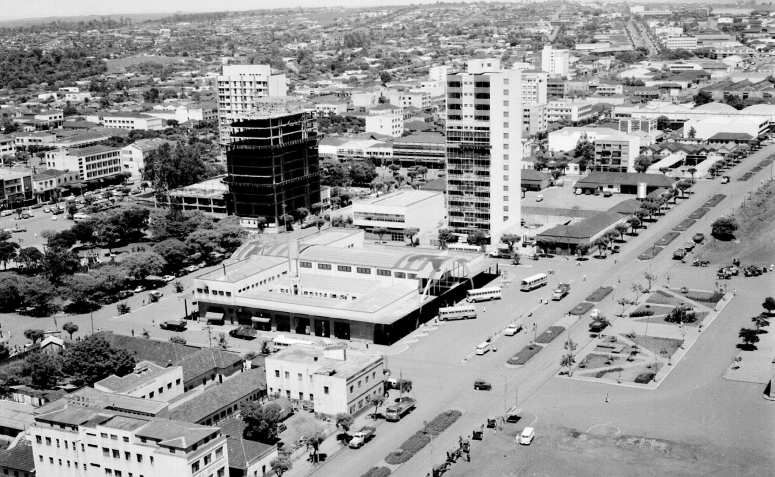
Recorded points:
(398, 212)
(147, 381)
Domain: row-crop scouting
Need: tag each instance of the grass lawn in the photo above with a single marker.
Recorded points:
(599, 294)
(699, 213)
(629, 374)
(685, 224)
(656, 344)
(650, 253)
(658, 310)
(603, 372)
(661, 298)
(524, 355)
(595, 360)
(704, 297)
(549, 335)
(667, 238)
(581, 308)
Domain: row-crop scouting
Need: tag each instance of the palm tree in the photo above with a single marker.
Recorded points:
(692, 171)
(567, 361)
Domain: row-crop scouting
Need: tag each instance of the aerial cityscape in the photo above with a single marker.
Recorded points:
(387, 239)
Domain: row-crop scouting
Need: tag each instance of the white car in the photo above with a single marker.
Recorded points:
(527, 436)
(512, 329)
(168, 278)
(46, 210)
(539, 198)
(595, 313)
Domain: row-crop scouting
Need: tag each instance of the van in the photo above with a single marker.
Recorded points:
(483, 348)
(527, 436)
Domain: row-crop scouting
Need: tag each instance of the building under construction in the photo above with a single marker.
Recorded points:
(272, 162)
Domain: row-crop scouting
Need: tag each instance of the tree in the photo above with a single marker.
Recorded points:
(477, 237)
(315, 440)
(750, 338)
(692, 133)
(34, 335)
(72, 209)
(362, 172)
(173, 251)
(760, 321)
(642, 163)
(70, 328)
(664, 170)
(692, 171)
(638, 289)
(649, 278)
(64, 239)
(281, 464)
(422, 170)
(410, 233)
(301, 213)
(769, 304)
(702, 97)
(621, 229)
(683, 186)
(42, 369)
(624, 302)
(663, 122)
(385, 77)
(141, 264)
(58, 262)
(582, 249)
(287, 220)
(178, 340)
(204, 241)
(380, 231)
(261, 421)
(377, 401)
(404, 385)
(585, 149)
(634, 222)
(445, 237)
(8, 252)
(84, 231)
(567, 361)
(93, 359)
(724, 228)
(602, 244)
(510, 240)
(345, 421)
(30, 257)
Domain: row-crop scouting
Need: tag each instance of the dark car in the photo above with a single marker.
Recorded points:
(698, 238)
(482, 385)
(173, 325)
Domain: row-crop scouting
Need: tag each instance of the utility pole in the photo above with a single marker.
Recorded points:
(91, 315)
(208, 327)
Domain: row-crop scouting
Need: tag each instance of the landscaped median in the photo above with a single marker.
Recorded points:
(422, 438)
(377, 472)
(599, 294)
(524, 355)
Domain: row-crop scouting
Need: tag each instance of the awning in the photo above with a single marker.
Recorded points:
(213, 316)
(258, 319)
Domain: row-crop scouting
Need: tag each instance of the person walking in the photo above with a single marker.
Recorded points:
(606, 398)
(133, 331)
(484, 308)
(585, 278)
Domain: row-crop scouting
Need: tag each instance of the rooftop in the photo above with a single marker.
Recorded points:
(145, 371)
(401, 198)
(207, 360)
(90, 398)
(624, 178)
(584, 229)
(19, 457)
(217, 397)
(158, 352)
(91, 150)
(314, 359)
(175, 433)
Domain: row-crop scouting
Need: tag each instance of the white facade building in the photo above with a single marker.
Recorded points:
(148, 381)
(387, 124)
(438, 73)
(127, 121)
(534, 86)
(555, 62)
(399, 211)
(484, 150)
(335, 379)
(238, 88)
(133, 156)
(706, 128)
(92, 163)
(573, 111)
(681, 43)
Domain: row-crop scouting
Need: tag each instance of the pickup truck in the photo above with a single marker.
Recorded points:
(397, 411)
(173, 325)
(561, 291)
(679, 254)
(361, 437)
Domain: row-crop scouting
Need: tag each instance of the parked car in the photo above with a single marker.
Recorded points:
(698, 238)
(482, 385)
(595, 313)
(191, 268)
(173, 325)
(19, 229)
(168, 278)
(125, 294)
(156, 294)
(139, 289)
(539, 198)
(512, 329)
(725, 179)
(46, 209)
(36, 206)
(6, 213)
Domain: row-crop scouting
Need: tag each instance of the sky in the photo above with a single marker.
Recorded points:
(21, 9)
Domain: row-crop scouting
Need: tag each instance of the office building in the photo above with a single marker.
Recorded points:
(15, 188)
(133, 156)
(681, 43)
(92, 163)
(127, 121)
(147, 381)
(335, 379)
(484, 150)
(79, 441)
(427, 149)
(534, 119)
(398, 212)
(239, 88)
(47, 182)
(534, 86)
(573, 112)
(272, 161)
(555, 62)
(386, 124)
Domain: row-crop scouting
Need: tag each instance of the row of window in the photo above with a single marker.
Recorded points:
(362, 270)
(254, 285)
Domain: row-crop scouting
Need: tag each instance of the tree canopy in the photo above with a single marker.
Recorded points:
(93, 359)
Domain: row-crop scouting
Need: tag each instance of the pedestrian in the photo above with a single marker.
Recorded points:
(585, 278)
(460, 440)
(484, 308)
(133, 331)
(606, 398)
(153, 322)
(771, 266)
(734, 292)
(616, 260)
(578, 264)
(143, 302)
(541, 300)
(620, 279)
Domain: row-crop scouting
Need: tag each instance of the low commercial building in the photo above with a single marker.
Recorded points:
(572, 111)
(94, 398)
(335, 379)
(84, 442)
(147, 381)
(92, 163)
(427, 149)
(222, 401)
(15, 188)
(623, 182)
(38, 139)
(387, 124)
(399, 211)
(133, 156)
(708, 127)
(565, 239)
(46, 183)
(405, 99)
(208, 365)
(327, 285)
(127, 121)
(208, 197)
(535, 180)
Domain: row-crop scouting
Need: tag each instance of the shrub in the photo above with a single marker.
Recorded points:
(420, 439)
(602, 373)
(645, 378)
(441, 422)
(637, 313)
(377, 472)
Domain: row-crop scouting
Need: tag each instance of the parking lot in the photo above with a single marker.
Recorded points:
(564, 198)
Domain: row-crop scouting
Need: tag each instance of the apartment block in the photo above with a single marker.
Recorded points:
(615, 152)
(335, 379)
(534, 86)
(147, 381)
(92, 163)
(571, 111)
(387, 124)
(239, 87)
(484, 150)
(15, 188)
(555, 62)
(534, 119)
(127, 121)
(78, 441)
(681, 43)
(404, 99)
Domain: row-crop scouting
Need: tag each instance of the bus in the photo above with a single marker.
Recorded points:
(533, 282)
(464, 247)
(281, 342)
(465, 312)
(482, 294)
(81, 217)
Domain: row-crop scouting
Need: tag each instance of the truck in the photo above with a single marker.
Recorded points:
(400, 409)
(361, 437)
(679, 254)
(561, 291)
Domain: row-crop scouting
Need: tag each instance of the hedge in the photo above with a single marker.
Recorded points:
(420, 439)
(377, 472)
(637, 313)
(645, 378)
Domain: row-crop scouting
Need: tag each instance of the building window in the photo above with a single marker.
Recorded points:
(366, 271)
(325, 389)
(305, 264)
(505, 198)
(411, 276)
(299, 374)
(324, 266)
(276, 373)
(287, 375)
(399, 274)
(505, 103)
(140, 458)
(383, 273)
(505, 208)
(505, 167)
(344, 268)
(195, 467)
(505, 178)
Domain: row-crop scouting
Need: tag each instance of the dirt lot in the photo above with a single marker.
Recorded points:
(755, 239)
(567, 452)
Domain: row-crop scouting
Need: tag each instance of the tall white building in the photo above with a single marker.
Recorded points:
(534, 86)
(238, 88)
(438, 73)
(555, 62)
(484, 150)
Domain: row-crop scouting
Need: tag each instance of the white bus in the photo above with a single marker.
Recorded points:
(81, 217)
(464, 247)
(466, 312)
(533, 282)
(281, 342)
(483, 294)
